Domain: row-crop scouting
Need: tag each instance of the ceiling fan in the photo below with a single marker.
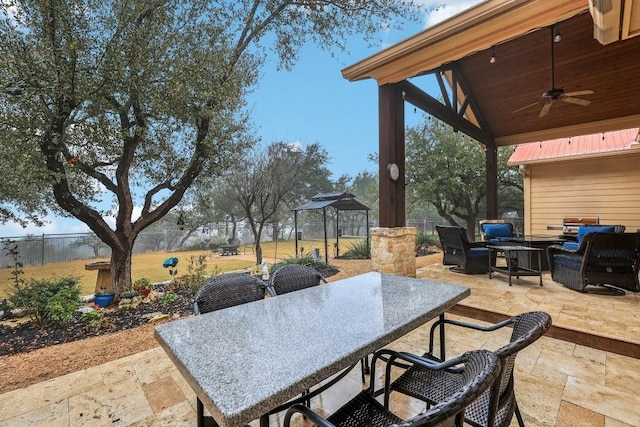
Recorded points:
(556, 94)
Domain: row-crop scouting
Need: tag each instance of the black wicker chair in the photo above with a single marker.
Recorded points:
(496, 406)
(223, 291)
(293, 277)
(467, 257)
(601, 260)
(227, 290)
(474, 371)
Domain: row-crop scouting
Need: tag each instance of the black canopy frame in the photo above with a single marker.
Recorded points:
(338, 201)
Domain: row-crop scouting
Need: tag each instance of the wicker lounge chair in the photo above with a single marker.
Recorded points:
(496, 406)
(293, 277)
(478, 370)
(602, 259)
(467, 257)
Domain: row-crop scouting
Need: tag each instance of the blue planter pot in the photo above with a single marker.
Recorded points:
(104, 300)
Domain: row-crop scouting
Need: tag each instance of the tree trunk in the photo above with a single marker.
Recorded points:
(121, 268)
(258, 252)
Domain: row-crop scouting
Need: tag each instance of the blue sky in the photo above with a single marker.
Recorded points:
(311, 103)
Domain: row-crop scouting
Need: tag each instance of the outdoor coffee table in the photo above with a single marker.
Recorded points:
(529, 260)
(512, 268)
(245, 361)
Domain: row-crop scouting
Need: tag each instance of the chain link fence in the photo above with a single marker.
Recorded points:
(54, 248)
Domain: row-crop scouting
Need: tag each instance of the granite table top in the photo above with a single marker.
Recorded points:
(245, 360)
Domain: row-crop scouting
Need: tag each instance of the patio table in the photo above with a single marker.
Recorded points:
(244, 361)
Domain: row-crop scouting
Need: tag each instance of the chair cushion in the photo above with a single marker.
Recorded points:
(571, 262)
(478, 253)
(586, 229)
(573, 246)
(493, 231)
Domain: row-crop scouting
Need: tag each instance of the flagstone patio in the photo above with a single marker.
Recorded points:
(558, 382)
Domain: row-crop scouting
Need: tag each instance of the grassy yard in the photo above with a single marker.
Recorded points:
(149, 265)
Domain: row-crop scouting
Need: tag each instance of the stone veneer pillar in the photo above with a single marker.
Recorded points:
(393, 250)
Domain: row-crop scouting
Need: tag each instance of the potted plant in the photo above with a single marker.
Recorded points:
(103, 298)
(142, 286)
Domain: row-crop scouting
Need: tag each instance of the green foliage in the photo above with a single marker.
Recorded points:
(360, 249)
(169, 297)
(196, 273)
(48, 300)
(321, 266)
(423, 242)
(447, 170)
(95, 319)
(141, 283)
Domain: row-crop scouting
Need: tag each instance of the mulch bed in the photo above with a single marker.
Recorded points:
(18, 336)
(27, 335)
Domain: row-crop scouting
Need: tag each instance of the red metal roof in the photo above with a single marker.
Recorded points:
(576, 146)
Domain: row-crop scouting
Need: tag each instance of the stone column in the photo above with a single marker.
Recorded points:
(393, 250)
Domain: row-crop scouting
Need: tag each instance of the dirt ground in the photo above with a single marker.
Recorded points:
(22, 370)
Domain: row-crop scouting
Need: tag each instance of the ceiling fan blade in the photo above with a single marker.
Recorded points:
(579, 93)
(524, 108)
(545, 109)
(578, 101)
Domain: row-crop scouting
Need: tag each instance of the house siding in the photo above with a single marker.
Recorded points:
(607, 187)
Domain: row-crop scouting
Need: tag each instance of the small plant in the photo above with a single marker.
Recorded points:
(94, 319)
(48, 300)
(196, 272)
(13, 252)
(168, 298)
(141, 284)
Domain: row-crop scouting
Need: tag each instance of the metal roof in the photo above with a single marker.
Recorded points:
(340, 201)
(594, 145)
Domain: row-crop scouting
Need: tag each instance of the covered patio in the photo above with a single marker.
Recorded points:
(508, 72)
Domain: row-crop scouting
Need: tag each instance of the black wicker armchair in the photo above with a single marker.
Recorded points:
(227, 290)
(467, 257)
(602, 260)
(474, 372)
(223, 291)
(497, 405)
(293, 277)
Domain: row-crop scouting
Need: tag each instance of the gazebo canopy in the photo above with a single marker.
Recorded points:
(340, 201)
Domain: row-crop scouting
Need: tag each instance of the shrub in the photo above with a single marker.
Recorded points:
(48, 300)
(423, 241)
(358, 250)
(322, 267)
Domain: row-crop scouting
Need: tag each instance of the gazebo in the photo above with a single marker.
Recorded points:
(338, 201)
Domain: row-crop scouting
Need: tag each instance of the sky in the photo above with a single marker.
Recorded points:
(311, 103)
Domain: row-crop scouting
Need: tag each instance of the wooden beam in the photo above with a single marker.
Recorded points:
(391, 150)
(426, 102)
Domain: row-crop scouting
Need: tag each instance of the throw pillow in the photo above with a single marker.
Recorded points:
(586, 229)
(493, 231)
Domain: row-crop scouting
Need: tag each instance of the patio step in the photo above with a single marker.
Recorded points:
(586, 339)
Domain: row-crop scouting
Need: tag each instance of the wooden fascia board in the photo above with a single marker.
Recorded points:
(631, 19)
(573, 130)
(479, 28)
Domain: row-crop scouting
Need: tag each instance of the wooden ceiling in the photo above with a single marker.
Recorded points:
(518, 33)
